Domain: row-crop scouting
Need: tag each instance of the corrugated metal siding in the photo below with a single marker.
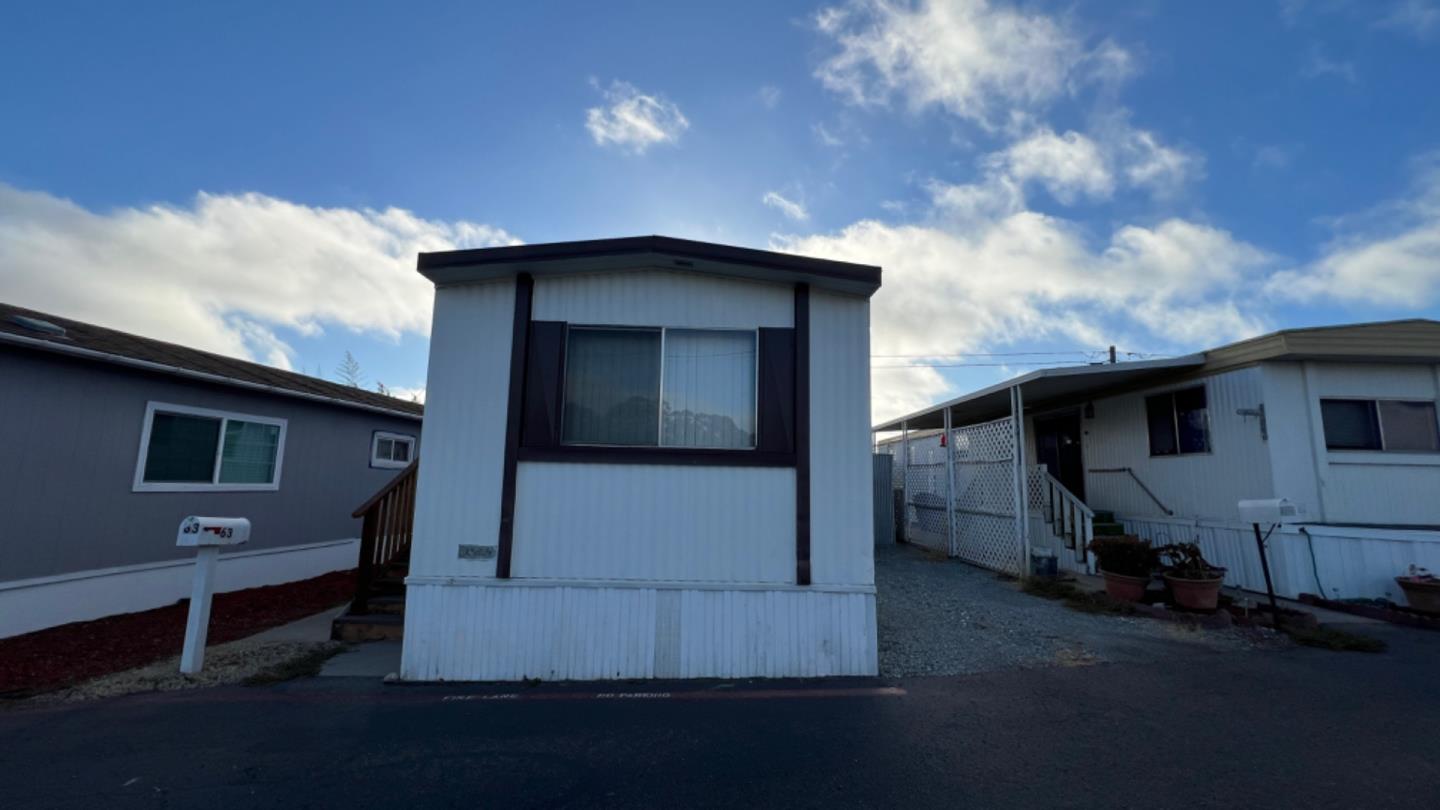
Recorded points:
(458, 495)
(1202, 485)
(657, 298)
(1376, 487)
(588, 633)
(841, 506)
(630, 521)
(1351, 563)
(71, 431)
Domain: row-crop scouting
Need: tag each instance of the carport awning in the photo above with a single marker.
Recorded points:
(1048, 387)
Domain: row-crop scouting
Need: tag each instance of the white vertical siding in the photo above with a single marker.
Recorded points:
(658, 298)
(1206, 485)
(457, 498)
(841, 509)
(644, 522)
(555, 632)
(1335, 561)
(1365, 487)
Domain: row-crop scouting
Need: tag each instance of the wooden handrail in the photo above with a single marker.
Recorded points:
(386, 531)
(409, 470)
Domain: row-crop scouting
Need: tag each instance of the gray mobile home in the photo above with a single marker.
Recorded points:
(111, 439)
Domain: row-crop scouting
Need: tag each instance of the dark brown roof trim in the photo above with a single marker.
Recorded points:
(679, 254)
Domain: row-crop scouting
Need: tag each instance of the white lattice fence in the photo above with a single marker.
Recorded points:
(985, 496)
(925, 495)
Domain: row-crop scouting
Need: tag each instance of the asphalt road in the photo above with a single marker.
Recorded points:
(1200, 728)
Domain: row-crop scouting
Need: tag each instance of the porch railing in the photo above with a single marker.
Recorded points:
(1067, 516)
(385, 533)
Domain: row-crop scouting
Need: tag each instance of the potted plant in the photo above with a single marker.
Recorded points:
(1126, 562)
(1194, 583)
(1422, 589)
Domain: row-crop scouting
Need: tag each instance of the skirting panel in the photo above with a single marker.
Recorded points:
(480, 632)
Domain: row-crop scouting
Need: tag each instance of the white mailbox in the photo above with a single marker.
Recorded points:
(1269, 511)
(212, 531)
(206, 535)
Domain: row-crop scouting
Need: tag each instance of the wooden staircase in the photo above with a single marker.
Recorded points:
(377, 611)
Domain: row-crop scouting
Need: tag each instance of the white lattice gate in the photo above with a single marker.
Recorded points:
(985, 525)
(923, 481)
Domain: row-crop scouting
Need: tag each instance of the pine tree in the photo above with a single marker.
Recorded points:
(349, 371)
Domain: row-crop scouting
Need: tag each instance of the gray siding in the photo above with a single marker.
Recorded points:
(70, 432)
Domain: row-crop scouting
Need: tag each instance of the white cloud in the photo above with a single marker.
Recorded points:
(770, 96)
(790, 208)
(955, 285)
(1151, 165)
(1417, 18)
(825, 136)
(634, 121)
(1067, 165)
(1318, 65)
(1387, 257)
(223, 272)
(984, 63)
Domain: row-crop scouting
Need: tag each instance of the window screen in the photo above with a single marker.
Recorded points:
(1386, 424)
(1192, 420)
(612, 387)
(248, 456)
(181, 449)
(1408, 425)
(1179, 422)
(709, 396)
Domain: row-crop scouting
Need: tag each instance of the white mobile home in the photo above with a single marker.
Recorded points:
(620, 478)
(1340, 420)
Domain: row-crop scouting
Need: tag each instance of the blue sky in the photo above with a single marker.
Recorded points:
(1033, 176)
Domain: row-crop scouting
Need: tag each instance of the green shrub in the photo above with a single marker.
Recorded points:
(1125, 554)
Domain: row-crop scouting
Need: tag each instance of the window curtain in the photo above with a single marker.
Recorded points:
(709, 396)
(248, 454)
(612, 387)
(182, 448)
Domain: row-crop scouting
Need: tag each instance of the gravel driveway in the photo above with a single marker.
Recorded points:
(944, 617)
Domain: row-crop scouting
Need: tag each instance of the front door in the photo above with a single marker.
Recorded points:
(1057, 446)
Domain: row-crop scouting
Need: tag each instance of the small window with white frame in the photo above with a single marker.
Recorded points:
(391, 450)
(185, 449)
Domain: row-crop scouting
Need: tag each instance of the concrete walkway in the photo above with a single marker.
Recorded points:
(310, 628)
(371, 659)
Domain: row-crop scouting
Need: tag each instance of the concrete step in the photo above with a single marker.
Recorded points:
(368, 627)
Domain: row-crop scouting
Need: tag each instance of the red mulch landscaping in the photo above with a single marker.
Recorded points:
(62, 656)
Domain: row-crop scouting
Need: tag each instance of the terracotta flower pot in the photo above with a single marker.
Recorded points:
(1421, 594)
(1125, 587)
(1196, 594)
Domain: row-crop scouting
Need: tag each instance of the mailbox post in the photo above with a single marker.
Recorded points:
(206, 535)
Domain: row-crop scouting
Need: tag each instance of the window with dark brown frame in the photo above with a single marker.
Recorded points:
(666, 394)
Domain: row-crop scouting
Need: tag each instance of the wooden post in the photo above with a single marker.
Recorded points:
(364, 574)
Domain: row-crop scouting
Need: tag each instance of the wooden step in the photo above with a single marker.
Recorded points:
(391, 605)
(1104, 516)
(368, 627)
(1108, 529)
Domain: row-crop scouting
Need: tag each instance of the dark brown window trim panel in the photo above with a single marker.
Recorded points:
(520, 333)
(679, 456)
(802, 434)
